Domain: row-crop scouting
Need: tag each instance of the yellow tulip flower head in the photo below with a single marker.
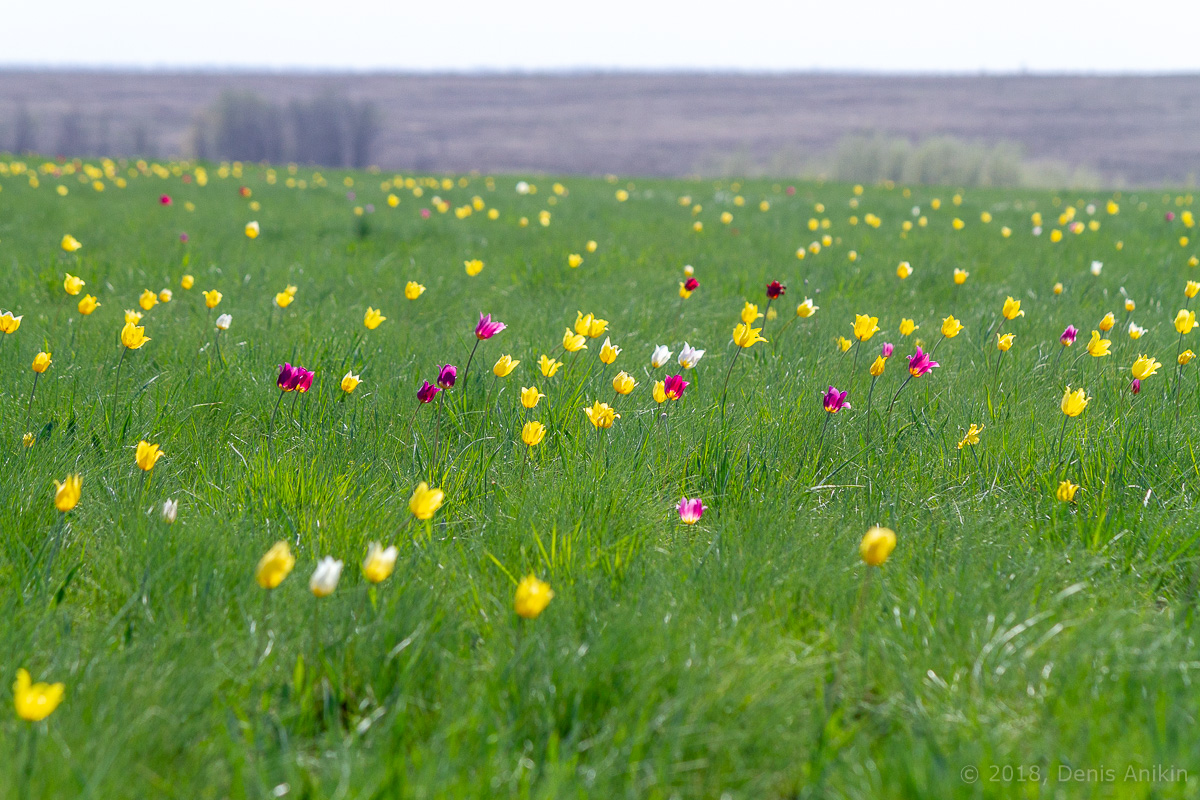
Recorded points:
(806, 309)
(284, 299)
(1012, 308)
(596, 328)
(660, 392)
(1144, 367)
(971, 438)
(275, 565)
(601, 415)
(865, 327)
(88, 304)
(1107, 322)
(951, 327)
(960, 276)
(67, 493)
(532, 433)
(746, 336)
(548, 365)
(844, 344)
(132, 317)
(187, 282)
(582, 323)
(35, 701)
(504, 366)
(425, 502)
(69, 244)
(212, 298)
(1066, 491)
(73, 285)
(750, 313)
(904, 270)
(413, 290)
(1185, 358)
(609, 352)
(877, 545)
(165, 296)
(907, 326)
(252, 230)
(1073, 403)
(1004, 342)
(1058, 288)
(573, 342)
(473, 267)
(148, 300)
(350, 382)
(1135, 330)
(530, 396)
(1097, 347)
(379, 563)
(591, 245)
(9, 323)
(41, 363)
(1130, 305)
(373, 319)
(1190, 289)
(133, 336)
(147, 455)
(623, 383)
(532, 597)
(684, 292)
(877, 367)
(574, 260)
(1184, 321)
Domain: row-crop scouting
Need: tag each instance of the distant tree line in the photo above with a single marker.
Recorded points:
(329, 130)
(73, 134)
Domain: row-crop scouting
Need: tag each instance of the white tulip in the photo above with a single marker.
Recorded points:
(170, 511)
(660, 356)
(689, 356)
(224, 321)
(325, 577)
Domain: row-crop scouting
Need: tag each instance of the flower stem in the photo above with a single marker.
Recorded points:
(117, 382)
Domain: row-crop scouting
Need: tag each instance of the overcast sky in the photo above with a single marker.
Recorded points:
(869, 35)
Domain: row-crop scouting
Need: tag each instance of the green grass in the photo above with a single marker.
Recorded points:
(750, 656)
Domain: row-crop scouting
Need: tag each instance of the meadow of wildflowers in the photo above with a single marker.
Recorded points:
(373, 485)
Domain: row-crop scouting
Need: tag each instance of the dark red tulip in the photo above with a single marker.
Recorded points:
(691, 284)
(427, 392)
(775, 290)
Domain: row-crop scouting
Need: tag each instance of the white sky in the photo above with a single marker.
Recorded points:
(866, 35)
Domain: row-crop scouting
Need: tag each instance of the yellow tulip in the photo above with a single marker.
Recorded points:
(1107, 322)
(844, 344)
(533, 595)
(379, 563)
(373, 319)
(1073, 403)
(67, 493)
(425, 501)
(623, 383)
(1185, 357)
(750, 313)
(1191, 288)
(960, 276)
(252, 230)
(473, 267)
(70, 244)
(1129, 305)
(601, 415)
(187, 282)
(806, 309)
(1066, 491)
(971, 437)
(907, 326)
(132, 317)
(746, 336)
(212, 298)
(35, 701)
(1012, 308)
(904, 270)
(1184, 321)
(876, 368)
(147, 455)
(504, 366)
(1058, 288)
(951, 327)
(1097, 347)
(609, 352)
(877, 545)
(283, 299)
(596, 328)
(582, 323)
(41, 363)
(548, 365)
(73, 285)
(683, 291)
(165, 296)
(350, 382)
(1144, 367)
(413, 290)
(274, 566)
(530, 396)
(133, 336)
(88, 304)
(532, 433)
(591, 245)
(660, 392)
(573, 342)
(865, 327)
(9, 323)
(574, 260)
(1005, 341)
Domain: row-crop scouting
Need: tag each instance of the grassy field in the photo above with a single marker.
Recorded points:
(751, 655)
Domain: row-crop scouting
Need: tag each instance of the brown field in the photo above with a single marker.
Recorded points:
(1131, 130)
